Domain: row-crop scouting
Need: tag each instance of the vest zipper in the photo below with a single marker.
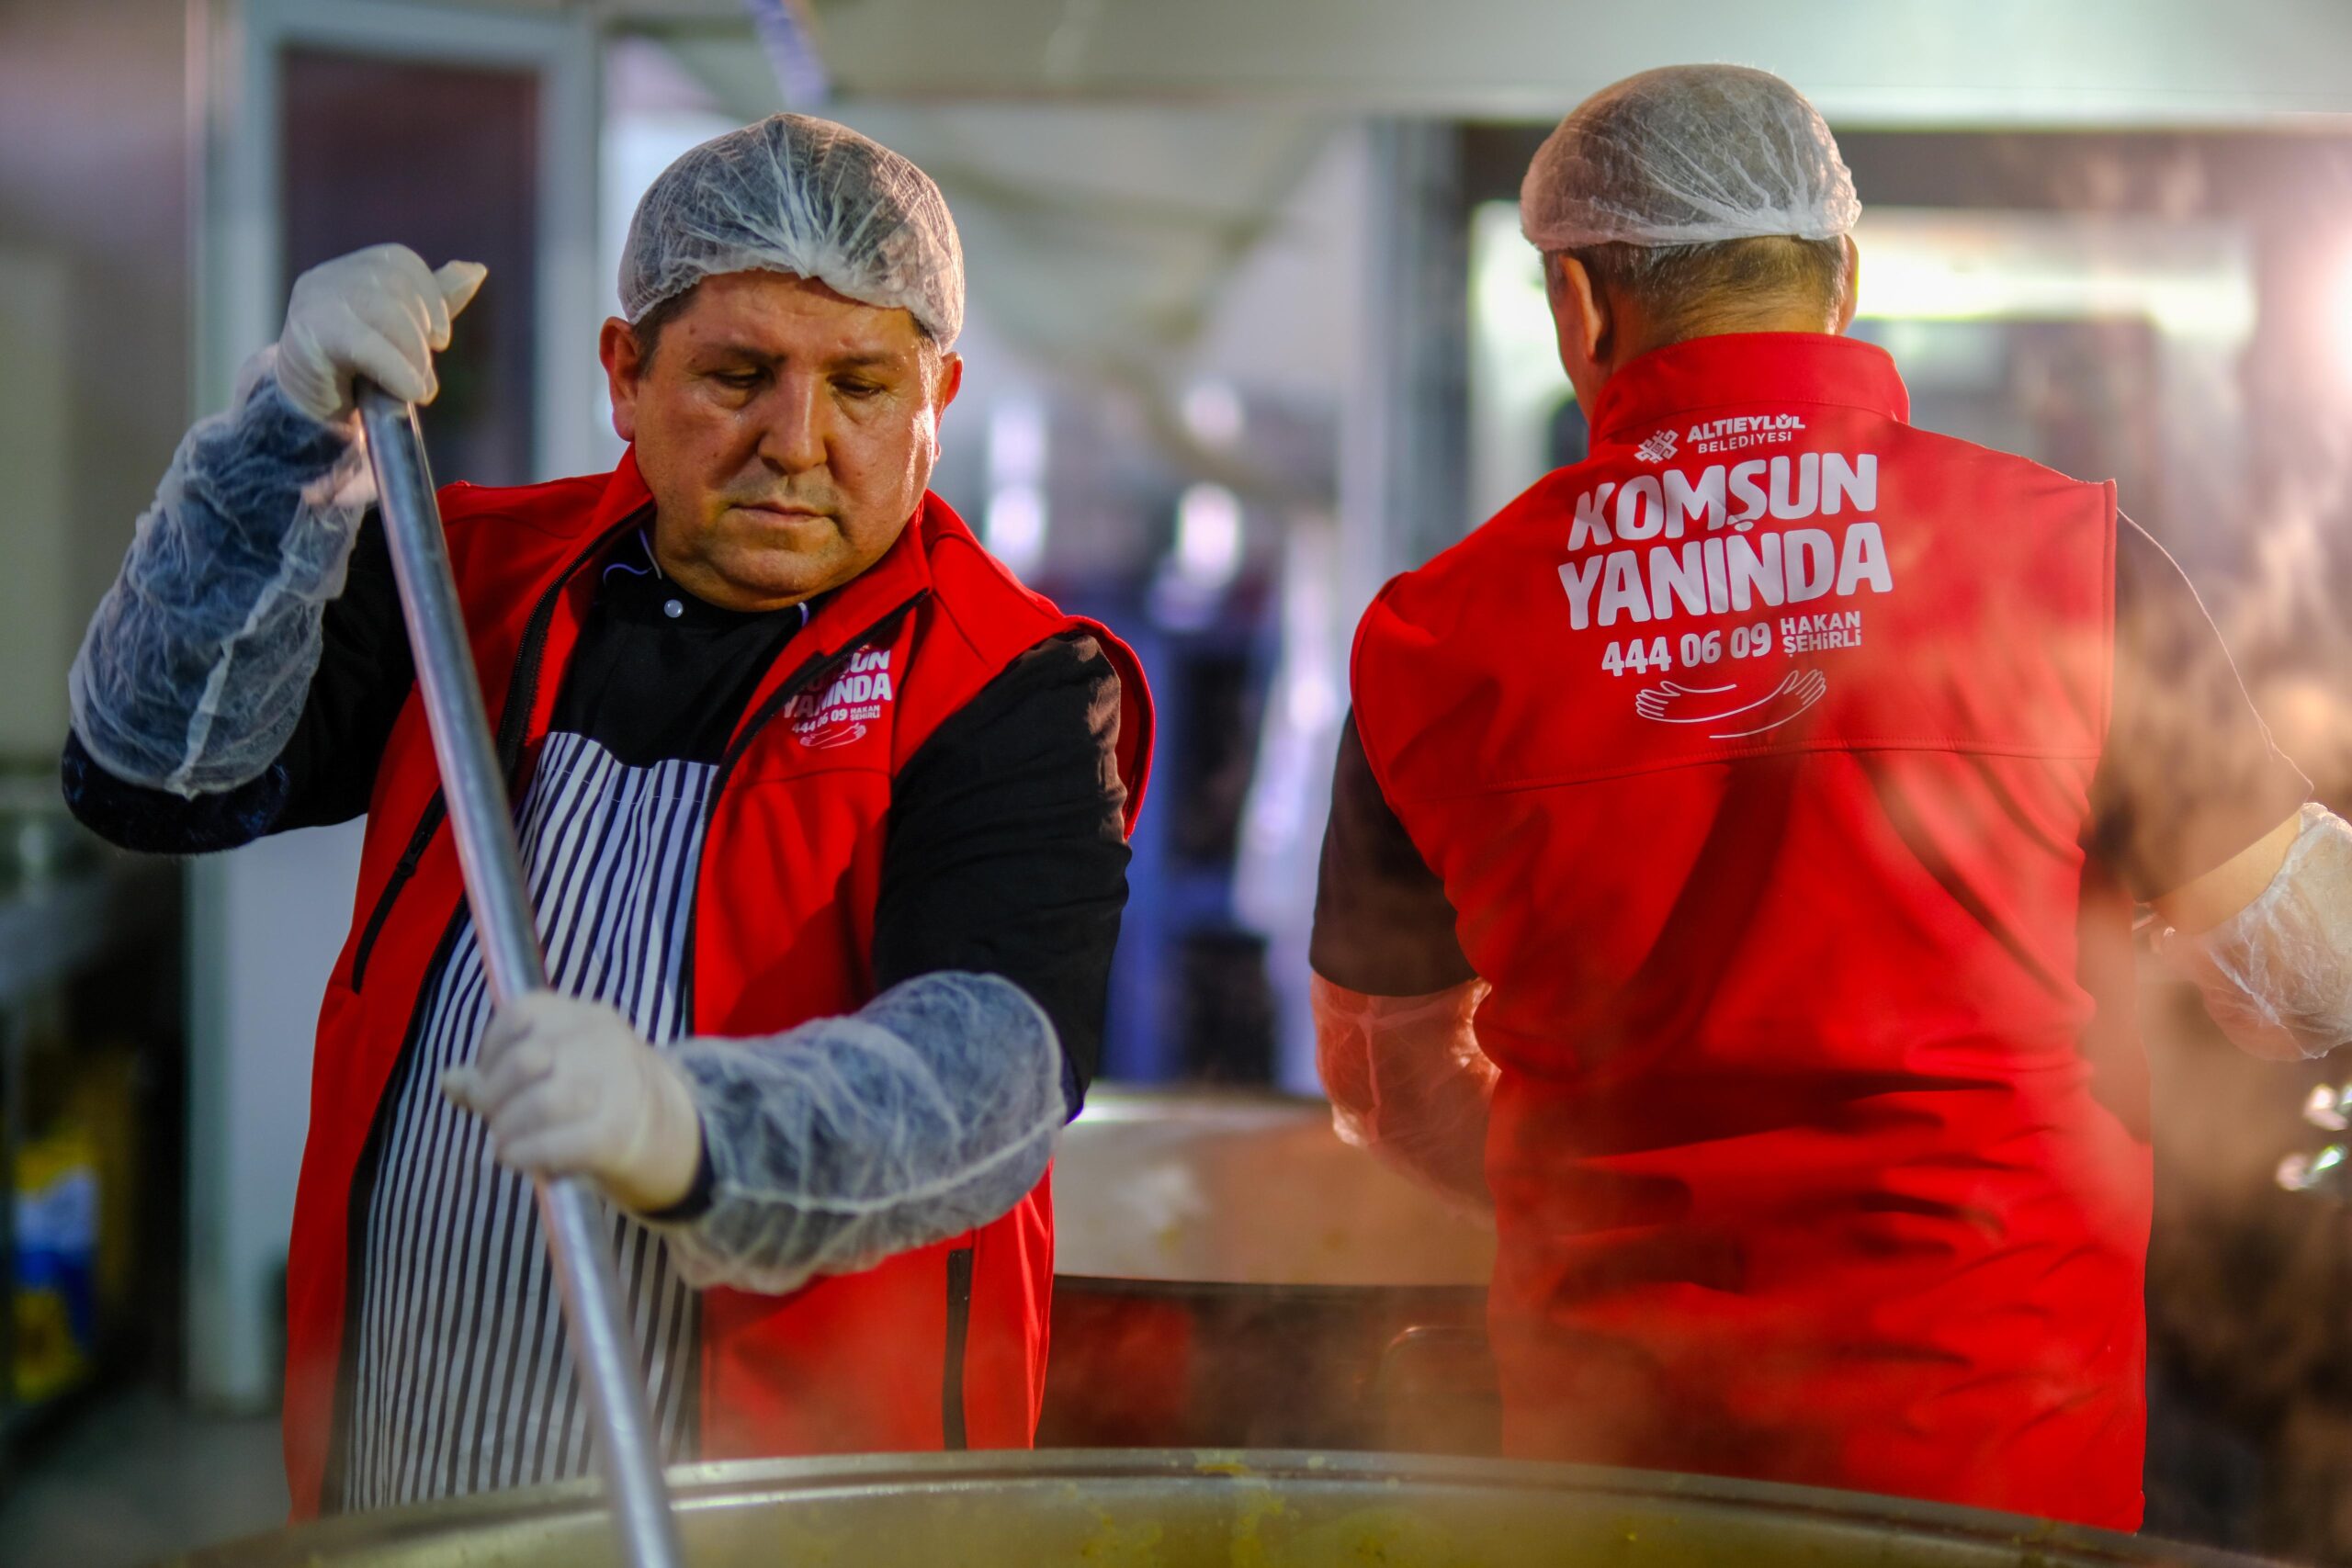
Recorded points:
(959, 1328)
(514, 723)
(799, 680)
(427, 825)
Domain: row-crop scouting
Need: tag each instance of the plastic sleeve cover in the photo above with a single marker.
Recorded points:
(1407, 1081)
(192, 673)
(929, 1111)
(2276, 976)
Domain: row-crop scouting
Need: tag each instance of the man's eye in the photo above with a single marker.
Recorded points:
(858, 388)
(740, 380)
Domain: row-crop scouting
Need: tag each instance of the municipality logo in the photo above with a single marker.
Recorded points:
(846, 708)
(1658, 448)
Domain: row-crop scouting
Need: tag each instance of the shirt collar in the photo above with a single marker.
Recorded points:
(631, 576)
(624, 495)
(1746, 368)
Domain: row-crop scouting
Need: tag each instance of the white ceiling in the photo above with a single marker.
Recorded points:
(1116, 165)
(1894, 62)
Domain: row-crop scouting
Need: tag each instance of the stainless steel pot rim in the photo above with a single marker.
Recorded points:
(1401, 1297)
(1232, 1109)
(750, 1482)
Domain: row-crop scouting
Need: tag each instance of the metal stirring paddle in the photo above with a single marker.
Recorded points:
(481, 818)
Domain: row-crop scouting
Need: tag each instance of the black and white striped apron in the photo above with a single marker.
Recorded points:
(463, 1382)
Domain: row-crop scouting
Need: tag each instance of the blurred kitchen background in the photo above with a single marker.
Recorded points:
(1250, 329)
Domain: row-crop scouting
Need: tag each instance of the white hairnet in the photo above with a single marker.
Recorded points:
(1688, 155)
(798, 195)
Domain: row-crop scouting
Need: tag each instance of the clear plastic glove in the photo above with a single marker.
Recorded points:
(2276, 976)
(380, 313)
(569, 1089)
(1407, 1081)
(929, 1111)
(193, 670)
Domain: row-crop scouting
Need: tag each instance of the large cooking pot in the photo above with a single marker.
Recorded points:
(1246, 1187)
(1229, 1274)
(1142, 1509)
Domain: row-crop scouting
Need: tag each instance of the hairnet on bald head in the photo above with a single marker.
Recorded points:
(799, 194)
(1688, 155)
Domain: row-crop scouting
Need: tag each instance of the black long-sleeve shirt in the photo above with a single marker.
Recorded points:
(1006, 851)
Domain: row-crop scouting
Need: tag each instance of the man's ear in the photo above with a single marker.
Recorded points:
(1579, 312)
(949, 381)
(1853, 286)
(617, 345)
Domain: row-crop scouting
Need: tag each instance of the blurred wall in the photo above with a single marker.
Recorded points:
(95, 191)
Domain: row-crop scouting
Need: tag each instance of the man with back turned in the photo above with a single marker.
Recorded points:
(1733, 859)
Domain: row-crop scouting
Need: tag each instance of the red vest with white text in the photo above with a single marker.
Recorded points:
(942, 1346)
(1755, 754)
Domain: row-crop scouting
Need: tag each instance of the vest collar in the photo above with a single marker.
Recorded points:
(1748, 367)
(902, 574)
(897, 581)
(625, 495)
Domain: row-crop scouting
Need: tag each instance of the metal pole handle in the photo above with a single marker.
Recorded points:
(481, 817)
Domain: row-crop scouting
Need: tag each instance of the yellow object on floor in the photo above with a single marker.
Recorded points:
(56, 1263)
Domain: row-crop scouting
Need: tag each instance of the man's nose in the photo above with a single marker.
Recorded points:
(792, 430)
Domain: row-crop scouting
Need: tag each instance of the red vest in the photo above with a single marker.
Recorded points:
(939, 1346)
(1755, 754)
